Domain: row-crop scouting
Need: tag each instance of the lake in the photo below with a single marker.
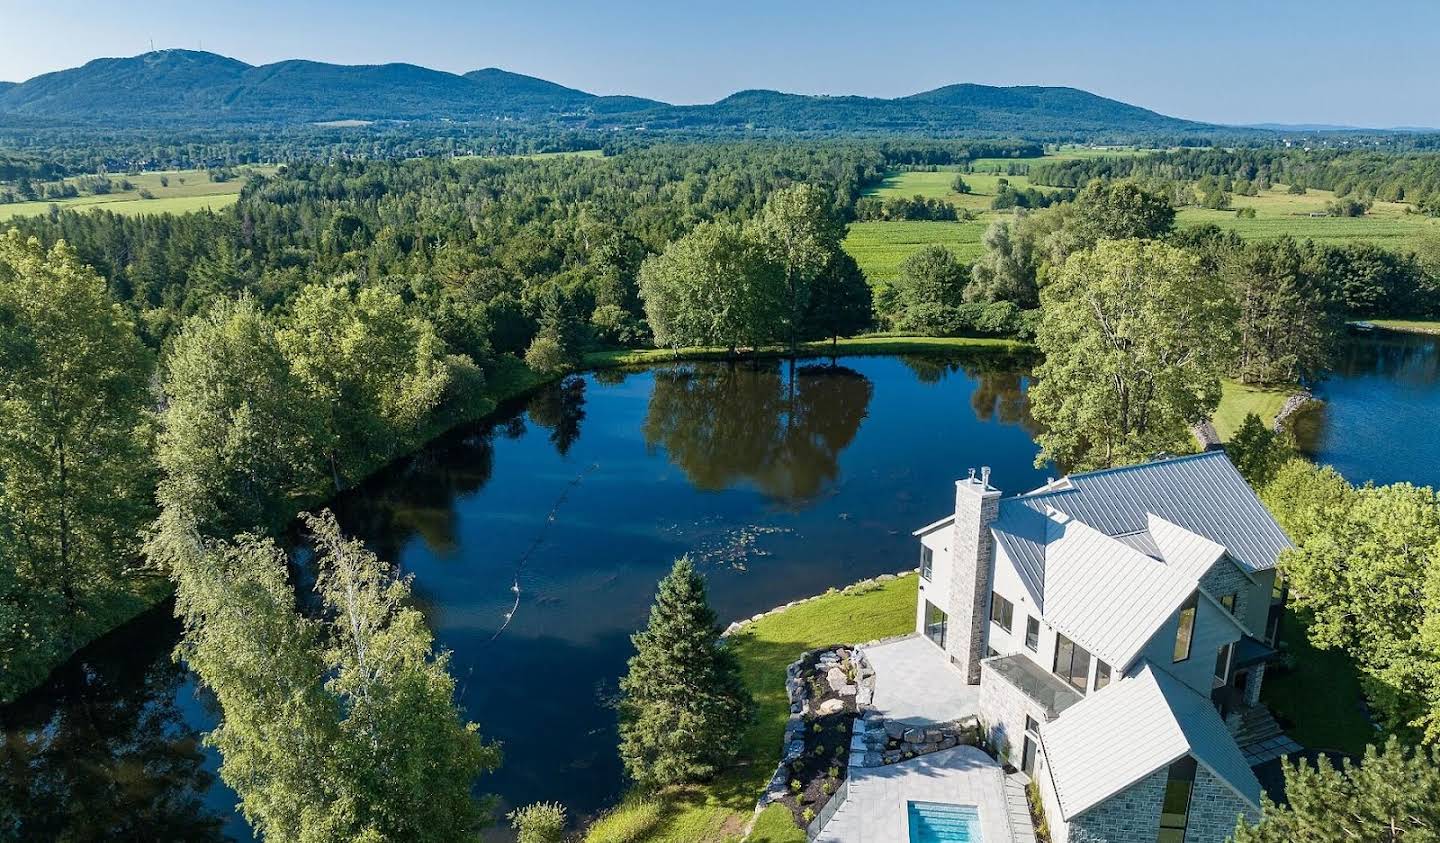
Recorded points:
(1380, 413)
(536, 540)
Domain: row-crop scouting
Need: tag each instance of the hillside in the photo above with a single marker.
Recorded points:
(186, 87)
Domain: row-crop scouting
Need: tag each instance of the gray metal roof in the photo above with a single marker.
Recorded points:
(1021, 531)
(1202, 493)
(1123, 733)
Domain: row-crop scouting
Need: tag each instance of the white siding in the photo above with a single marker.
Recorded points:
(937, 588)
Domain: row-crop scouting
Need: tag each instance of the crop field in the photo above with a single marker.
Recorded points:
(188, 190)
(880, 247)
(1277, 214)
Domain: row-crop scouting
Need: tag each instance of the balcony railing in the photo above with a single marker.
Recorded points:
(1044, 689)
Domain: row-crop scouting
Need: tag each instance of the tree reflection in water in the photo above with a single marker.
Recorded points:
(1000, 385)
(103, 751)
(771, 425)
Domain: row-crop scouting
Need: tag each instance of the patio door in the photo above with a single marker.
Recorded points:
(935, 625)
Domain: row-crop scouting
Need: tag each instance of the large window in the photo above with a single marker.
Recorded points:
(1032, 634)
(1222, 663)
(1175, 813)
(1185, 635)
(1002, 611)
(935, 625)
(927, 562)
(1072, 663)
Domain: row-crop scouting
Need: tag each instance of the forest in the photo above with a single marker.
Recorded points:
(177, 389)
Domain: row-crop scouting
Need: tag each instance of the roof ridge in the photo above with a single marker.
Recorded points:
(1116, 469)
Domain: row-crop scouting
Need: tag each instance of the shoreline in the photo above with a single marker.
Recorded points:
(513, 381)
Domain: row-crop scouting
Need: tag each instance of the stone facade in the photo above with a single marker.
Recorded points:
(1003, 709)
(1133, 814)
(1252, 684)
(1214, 808)
(1130, 816)
(1225, 577)
(972, 555)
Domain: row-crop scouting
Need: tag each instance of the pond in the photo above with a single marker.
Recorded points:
(779, 483)
(536, 540)
(1380, 413)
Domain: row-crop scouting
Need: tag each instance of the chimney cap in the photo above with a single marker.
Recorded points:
(985, 475)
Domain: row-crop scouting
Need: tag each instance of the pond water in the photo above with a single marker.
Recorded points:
(1380, 413)
(780, 484)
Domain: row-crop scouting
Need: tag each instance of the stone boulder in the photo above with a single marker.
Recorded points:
(831, 707)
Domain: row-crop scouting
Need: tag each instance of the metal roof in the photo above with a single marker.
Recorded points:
(1127, 731)
(1105, 595)
(1020, 530)
(1202, 493)
(1186, 552)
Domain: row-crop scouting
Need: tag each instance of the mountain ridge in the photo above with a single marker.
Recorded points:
(196, 87)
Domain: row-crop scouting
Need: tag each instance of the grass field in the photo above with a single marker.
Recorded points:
(1237, 400)
(195, 193)
(880, 247)
(1277, 214)
(1409, 326)
(719, 811)
(869, 344)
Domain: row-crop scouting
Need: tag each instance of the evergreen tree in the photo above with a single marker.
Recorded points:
(1392, 796)
(683, 705)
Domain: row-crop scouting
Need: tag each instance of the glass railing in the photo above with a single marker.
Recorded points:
(1033, 681)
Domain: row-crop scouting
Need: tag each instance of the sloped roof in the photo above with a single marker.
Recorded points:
(1190, 554)
(1202, 493)
(1021, 531)
(1103, 593)
(1123, 733)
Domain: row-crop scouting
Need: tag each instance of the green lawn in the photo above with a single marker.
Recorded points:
(1320, 698)
(870, 344)
(188, 190)
(1238, 400)
(1409, 326)
(880, 247)
(718, 812)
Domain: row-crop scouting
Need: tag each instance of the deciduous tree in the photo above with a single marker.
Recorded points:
(714, 287)
(1135, 340)
(800, 232)
(75, 475)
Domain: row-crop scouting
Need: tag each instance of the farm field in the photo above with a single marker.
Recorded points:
(880, 247)
(188, 190)
(1278, 214)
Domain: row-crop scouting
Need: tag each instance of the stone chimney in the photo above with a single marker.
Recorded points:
(977, 504)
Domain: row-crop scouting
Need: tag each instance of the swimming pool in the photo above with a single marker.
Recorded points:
(938, 822)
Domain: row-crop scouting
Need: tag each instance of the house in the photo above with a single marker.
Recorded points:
(1118, 624)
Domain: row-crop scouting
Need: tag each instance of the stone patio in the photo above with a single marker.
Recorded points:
(876, 799)
(916, 684)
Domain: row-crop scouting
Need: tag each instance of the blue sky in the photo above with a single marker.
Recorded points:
(1359, 63)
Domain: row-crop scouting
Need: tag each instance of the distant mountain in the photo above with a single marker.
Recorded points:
(185, 87)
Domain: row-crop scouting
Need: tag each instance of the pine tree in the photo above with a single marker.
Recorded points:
(1393, 796)
(683, 705)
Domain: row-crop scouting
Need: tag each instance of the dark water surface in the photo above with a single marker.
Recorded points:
(779, 485)
(1380, 416)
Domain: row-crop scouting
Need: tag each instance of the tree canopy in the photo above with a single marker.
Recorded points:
(1135, 340)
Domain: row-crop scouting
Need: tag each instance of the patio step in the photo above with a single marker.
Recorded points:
(1256, 725)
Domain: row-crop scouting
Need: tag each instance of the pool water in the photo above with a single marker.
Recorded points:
(937, 822)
